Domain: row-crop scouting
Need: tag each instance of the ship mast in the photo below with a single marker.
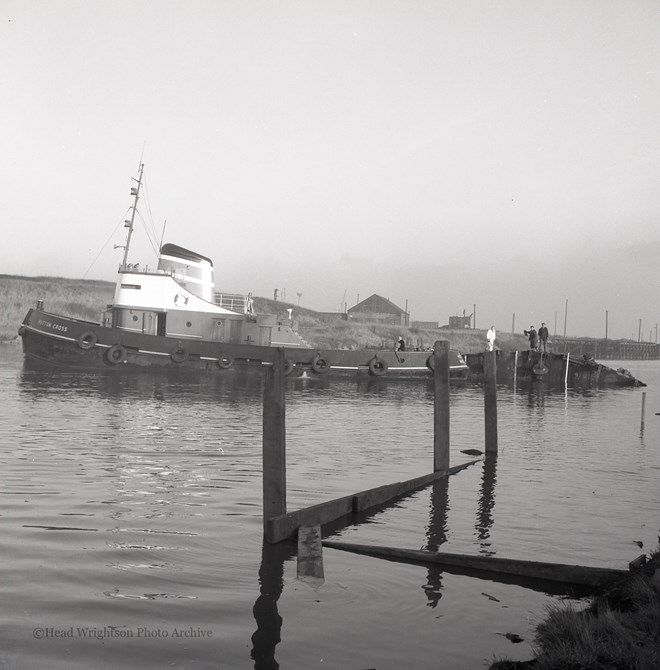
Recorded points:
(135, 192)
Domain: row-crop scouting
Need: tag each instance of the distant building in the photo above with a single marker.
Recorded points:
(425, 324)
(460, 321)
(378, 309)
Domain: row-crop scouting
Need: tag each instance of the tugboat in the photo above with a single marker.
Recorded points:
(172, 318)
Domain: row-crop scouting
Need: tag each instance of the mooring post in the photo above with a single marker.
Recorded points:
(274, 440)
(490, 400)
(441, 406)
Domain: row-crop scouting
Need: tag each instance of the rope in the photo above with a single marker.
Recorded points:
(105, 243)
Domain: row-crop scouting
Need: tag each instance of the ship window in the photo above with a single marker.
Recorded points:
(188, 324)
(135, 317)
(135, 286)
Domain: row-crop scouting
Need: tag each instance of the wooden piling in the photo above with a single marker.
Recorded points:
(310, 556)
(490, 400)
(274, 440)
(441, 406)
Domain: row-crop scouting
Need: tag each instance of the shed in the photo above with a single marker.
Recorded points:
(460, 321)
(379, 309)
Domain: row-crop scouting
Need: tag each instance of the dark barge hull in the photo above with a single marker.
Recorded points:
(551, 368)
(69, 343)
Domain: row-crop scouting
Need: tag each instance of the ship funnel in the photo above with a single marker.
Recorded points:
(191, 270)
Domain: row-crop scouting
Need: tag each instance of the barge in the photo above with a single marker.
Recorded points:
(553, 369)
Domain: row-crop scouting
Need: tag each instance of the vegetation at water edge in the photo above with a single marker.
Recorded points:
(619, 630)
(78, 298)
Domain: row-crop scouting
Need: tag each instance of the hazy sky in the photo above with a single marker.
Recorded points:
(504, 154)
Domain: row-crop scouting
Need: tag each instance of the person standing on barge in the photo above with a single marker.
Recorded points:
(490, 336)
(533, 338)
(543, 337)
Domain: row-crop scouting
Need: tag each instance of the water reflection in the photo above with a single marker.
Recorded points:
(238, 387)
(536, 396)
(486, 503)
(269, 622)
(436, 534)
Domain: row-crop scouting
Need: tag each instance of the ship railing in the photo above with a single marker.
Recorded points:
(236, 302)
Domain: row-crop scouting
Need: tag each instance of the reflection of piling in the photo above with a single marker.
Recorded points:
(436, 534)
(441, 406)
(274, 440)
(490, 400)
(486, 499)
(643, 409)
(269, 622)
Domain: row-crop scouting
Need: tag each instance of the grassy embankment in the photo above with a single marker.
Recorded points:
(87, 299)
(618, 630)
(338, 334)
(346, 335)
(80, 299)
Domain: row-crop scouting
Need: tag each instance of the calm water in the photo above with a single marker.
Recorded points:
(131, 518)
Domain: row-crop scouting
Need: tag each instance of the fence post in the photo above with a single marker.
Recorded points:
(274, 440)
(441, 406)
(490, 400)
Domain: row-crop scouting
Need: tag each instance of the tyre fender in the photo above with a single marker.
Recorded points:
(88, 339)
(116, 354)
(320, 365)
(378, 367)
(225, 361)
(179, 354)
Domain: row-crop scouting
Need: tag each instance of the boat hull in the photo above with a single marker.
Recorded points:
(551, 369)
(69, 343)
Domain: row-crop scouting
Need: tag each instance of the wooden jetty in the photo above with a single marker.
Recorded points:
(280, 525)
(306, 524)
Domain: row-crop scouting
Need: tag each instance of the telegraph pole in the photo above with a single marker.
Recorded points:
(606, 317)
